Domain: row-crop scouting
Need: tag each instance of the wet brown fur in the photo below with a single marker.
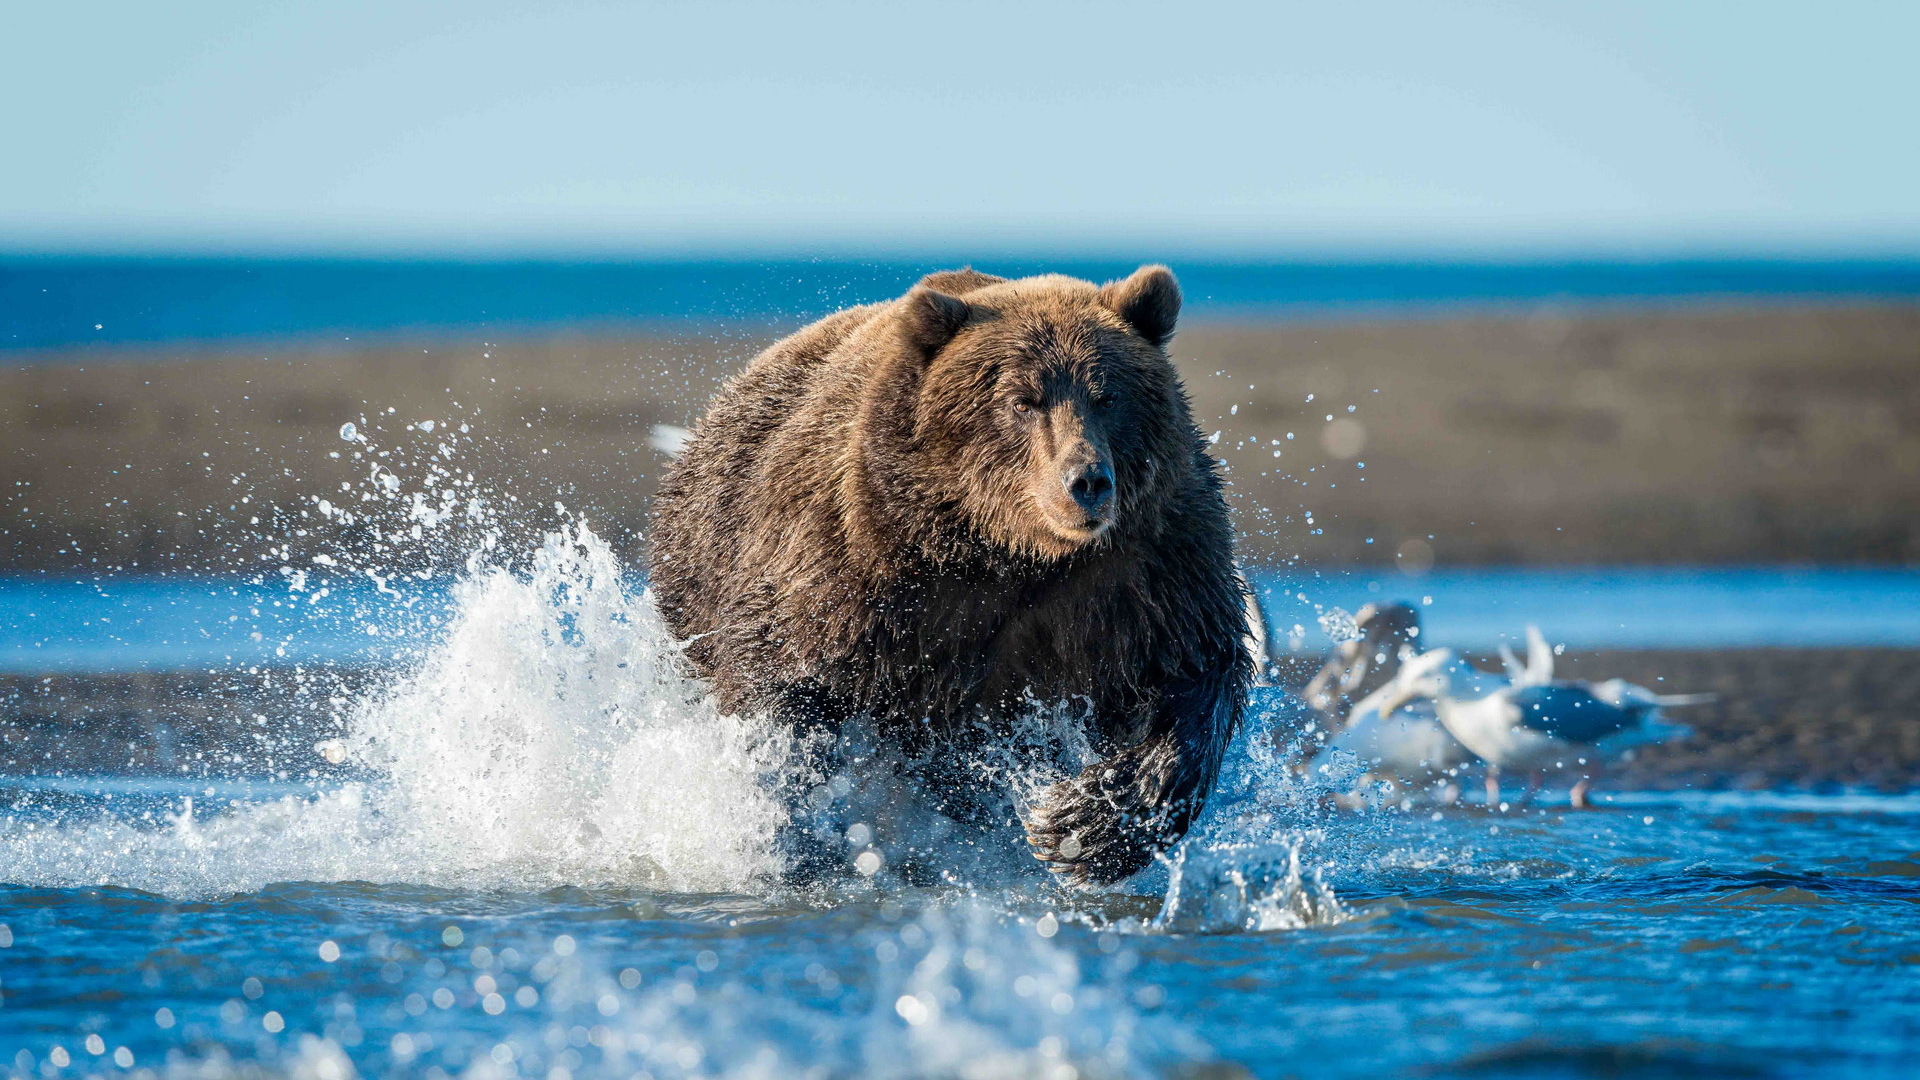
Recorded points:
(865, 523)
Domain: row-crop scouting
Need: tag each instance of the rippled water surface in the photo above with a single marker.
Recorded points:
(1743, 935)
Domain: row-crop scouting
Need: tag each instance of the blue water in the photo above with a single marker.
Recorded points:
(61, 302)
(132, 623)
(142, 623)
(1677, 936)
(1625, 607)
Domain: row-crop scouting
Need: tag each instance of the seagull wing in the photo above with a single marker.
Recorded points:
(1570, 713)
(669, 439)
(1516, 672)
(1539, 657)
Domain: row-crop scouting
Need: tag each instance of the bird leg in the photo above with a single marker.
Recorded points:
(1493, 786)
(1579, 794)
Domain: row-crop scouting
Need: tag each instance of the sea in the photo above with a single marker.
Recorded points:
(66, 303)
(522, 843)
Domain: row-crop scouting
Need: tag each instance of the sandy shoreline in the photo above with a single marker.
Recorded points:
(1668, 435)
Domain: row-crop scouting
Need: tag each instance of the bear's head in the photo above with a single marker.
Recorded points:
(1043, 412)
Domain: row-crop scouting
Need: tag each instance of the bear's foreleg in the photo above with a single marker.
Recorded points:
(807, 840)
(1108, 822)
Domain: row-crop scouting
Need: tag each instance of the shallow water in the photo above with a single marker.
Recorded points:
(159, 623)
(1726, 934)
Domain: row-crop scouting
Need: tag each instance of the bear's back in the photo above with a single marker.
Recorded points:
(731, 505)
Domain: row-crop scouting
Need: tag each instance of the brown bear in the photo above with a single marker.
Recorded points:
(986, 492)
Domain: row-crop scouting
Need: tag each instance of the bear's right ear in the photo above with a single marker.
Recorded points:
(1149, 301)
(929, 318)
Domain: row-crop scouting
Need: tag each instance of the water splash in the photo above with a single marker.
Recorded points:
(546, 738)
(1221, 888)
(1245, 864)
(550, 738)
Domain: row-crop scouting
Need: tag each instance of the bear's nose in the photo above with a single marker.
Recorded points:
(1091, 485)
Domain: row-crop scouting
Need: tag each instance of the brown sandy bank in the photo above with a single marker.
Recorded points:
(1681, 434)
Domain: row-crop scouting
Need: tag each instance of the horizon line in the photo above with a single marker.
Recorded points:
(944, 252)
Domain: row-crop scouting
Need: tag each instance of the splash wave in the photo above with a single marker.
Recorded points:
(545, 738)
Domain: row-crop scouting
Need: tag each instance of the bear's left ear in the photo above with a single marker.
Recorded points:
(1149, 300)
(929, 318)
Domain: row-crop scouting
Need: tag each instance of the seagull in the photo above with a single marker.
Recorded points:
(1368, 701)
(669, 439)
(1363, 665)
(1397, 739)
(1537, 670)
(1533, 722)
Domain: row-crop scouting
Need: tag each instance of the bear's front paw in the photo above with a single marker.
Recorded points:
(1099, 826)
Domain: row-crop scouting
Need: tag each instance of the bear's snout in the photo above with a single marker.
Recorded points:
(1091, 485)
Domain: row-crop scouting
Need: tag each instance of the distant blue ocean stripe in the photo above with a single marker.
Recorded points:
(58, 302)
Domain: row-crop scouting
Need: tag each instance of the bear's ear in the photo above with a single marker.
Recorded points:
(929, 318)
(1149, 300)
(959, 282)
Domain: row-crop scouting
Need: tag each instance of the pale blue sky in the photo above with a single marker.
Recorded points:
(485, 126)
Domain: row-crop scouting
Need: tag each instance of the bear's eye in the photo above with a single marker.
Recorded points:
(1105, 401)
(1022, 405)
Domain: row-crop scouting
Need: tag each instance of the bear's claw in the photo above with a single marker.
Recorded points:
(1092, 829)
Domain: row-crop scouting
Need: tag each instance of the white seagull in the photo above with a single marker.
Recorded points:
(1390, 731)
(1395, 737)
(1535, 723)
(1356, 668)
